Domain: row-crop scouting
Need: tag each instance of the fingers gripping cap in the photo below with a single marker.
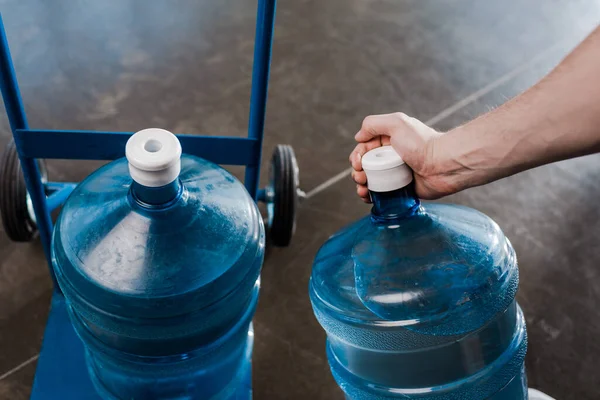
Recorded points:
(385, 170)
(154, 157)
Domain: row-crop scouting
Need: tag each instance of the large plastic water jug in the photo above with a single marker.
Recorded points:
(161, 274)
(418, 301)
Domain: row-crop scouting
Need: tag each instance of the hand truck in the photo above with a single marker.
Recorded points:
(27, 197)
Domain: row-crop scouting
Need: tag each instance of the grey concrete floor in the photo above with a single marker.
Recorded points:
(185, 66)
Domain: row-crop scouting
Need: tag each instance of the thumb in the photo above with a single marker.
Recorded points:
(378, 125)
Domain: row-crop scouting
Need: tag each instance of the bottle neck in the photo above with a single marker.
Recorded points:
(155, 196)
(397, 204)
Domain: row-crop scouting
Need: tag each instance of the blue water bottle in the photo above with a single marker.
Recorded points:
(159, 257)
(418, 301)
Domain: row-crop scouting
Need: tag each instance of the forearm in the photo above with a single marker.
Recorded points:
(558, 118)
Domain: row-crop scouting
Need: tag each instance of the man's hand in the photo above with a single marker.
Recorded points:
(413, 141)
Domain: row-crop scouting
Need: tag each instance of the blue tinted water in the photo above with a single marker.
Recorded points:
(418, 303)
(162, 283)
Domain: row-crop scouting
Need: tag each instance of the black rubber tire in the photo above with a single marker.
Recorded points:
(284, 181)
(18, 223)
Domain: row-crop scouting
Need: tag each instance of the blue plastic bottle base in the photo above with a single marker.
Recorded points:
(515, 389)
(504, 379)
(71, 381)
(238, 389)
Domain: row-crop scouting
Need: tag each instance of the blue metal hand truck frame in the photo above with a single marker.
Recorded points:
(61, 372)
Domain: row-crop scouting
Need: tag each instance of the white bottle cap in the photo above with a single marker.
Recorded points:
(154, 157)
(385, 170)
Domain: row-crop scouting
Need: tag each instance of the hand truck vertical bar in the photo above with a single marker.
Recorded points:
(16, 116)
(263, 43)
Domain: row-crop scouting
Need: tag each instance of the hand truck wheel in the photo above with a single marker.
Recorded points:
(16, 208)
(282, 195)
